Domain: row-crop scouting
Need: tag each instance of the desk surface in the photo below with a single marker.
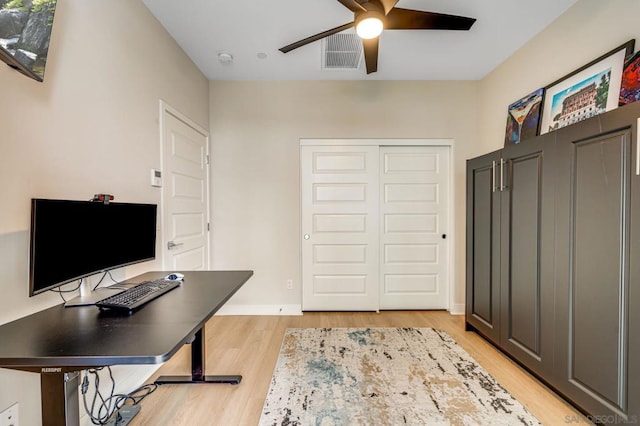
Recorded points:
(87, 337)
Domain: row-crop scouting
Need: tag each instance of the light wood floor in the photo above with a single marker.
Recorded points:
(249, 345)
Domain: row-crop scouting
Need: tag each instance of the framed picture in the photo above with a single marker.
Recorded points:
(630, 85)
(25, 31)
(586, 92)
(523, 118)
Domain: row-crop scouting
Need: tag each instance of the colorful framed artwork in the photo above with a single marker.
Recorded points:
(630, 85)
(586, 92)
(523, 118)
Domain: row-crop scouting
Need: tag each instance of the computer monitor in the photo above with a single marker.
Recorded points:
(74, 239)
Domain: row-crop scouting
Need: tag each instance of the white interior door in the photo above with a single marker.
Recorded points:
(414, 204)
(185, 193)
(339, 205)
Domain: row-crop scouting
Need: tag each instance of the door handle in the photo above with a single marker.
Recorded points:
(171, 245)
(493, 176)
(306, 236)
(502, 174)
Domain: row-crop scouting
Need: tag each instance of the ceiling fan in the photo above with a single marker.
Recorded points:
(373, 16)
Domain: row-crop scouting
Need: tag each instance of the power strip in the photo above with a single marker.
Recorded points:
(123, 416)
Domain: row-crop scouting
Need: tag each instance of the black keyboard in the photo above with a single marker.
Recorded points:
(137, 296)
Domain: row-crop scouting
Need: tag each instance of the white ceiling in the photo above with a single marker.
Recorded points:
(205, 28)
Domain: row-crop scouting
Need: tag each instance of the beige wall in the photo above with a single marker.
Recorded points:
(585, 32)
(255, 131)
(92, 126)
(256, 127)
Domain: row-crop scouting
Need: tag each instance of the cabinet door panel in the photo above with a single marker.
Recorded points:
(482, 244)
(627, 118)
(483, 263)
(593, 274)
(599, 275)
(526, 253)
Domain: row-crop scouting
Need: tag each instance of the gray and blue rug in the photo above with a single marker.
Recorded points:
(383, 376)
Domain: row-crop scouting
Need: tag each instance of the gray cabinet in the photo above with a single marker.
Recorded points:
(510, 211)
(553, 259)
(483, 245)
(598, 275)
(527, 258)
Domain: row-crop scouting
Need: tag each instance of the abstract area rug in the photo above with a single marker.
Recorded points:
(383, 376)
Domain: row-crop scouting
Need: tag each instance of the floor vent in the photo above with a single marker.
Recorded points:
(342, 51)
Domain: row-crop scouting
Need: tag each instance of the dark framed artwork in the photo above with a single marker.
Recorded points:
(523, 118)
(630, 85)
(586, 92)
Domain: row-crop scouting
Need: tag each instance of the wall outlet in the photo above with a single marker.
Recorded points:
(290, 284)
(9, 417)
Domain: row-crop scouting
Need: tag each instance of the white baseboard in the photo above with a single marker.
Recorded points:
(230, 309)
(457, 309)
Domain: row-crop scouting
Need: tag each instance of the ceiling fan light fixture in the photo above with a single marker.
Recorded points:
(369, 24)
(369, 28)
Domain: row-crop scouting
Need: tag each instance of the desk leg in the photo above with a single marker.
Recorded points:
(198, 357)
(59, 393)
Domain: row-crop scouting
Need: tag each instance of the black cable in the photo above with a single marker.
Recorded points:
(99, 419)
(103, 277)
(60, 292)
(111, 276)
(109, 405)
(100, 282)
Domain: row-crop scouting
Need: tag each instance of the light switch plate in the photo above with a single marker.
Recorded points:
(156, 178)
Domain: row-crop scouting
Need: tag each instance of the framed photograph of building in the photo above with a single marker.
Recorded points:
(523, 118)
(586, 92)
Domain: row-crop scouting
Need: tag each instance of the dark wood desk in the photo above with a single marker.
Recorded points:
(59, 342)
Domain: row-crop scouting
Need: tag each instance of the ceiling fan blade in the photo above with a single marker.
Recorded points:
(316, 37)
(371, 53)
(388, 5)
(353, 5)
(407, 19)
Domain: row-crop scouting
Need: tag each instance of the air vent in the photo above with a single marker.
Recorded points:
(342, 51)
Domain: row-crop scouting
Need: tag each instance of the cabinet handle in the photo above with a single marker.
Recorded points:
(501, 174)
(493, 176)
(638, 148)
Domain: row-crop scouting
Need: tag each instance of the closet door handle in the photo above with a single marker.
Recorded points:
(493, 176)
(502, 174)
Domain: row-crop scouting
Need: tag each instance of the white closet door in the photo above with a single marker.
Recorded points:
(414, 191)
(340, 243)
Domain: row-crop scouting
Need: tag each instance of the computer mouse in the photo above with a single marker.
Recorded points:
(176, 276)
